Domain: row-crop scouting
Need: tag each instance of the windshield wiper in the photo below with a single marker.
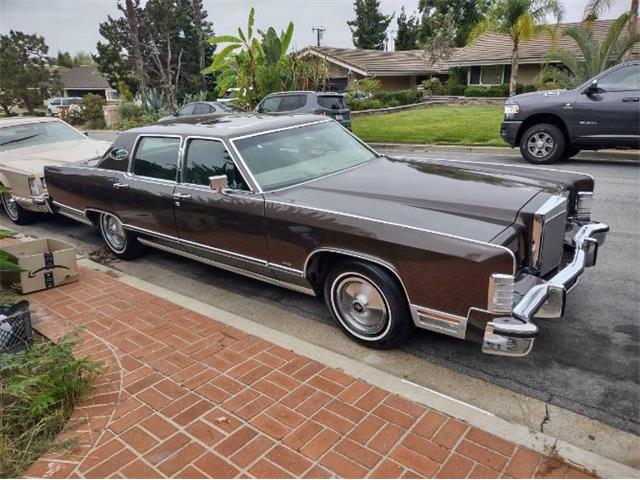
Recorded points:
(16, 140)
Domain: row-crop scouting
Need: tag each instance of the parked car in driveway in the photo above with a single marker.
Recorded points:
(53, 107)
(27, 144)
(602, 113)
(330, 104)
(199, 110)
(472, 250)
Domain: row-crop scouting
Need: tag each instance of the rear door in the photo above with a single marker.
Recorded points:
(611, 116)
(143, 196)
(222, 226)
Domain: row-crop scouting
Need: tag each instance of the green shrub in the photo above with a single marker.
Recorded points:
(399, 97)
(75, 115)
(453, 86)
(433, 86)
(92, 106)
(493, 91)
(39, 388)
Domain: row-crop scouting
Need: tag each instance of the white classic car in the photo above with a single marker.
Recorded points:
(27, 144)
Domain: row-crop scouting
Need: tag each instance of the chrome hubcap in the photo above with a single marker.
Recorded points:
(540, 144)
(113, 232)
(361, 305)
(10, 206)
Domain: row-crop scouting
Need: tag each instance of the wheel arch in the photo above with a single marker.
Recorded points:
(549, 118)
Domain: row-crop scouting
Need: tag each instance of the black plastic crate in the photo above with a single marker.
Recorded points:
(15, 327)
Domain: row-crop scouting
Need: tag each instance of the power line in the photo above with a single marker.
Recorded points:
(319, 31)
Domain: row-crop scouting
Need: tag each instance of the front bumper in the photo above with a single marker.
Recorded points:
(514, 335)
(509, 132)
(39, 203)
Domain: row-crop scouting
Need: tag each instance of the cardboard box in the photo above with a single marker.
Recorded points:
(46, 263)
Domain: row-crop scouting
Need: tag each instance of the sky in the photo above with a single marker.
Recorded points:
(72, 25)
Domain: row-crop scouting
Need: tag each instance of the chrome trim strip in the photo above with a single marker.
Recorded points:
(289, 270)
(240, 271)
(393, 224)
(72, 213)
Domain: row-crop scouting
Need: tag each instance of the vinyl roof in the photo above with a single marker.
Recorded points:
(229, 126)
(379, 63)
(493, 48)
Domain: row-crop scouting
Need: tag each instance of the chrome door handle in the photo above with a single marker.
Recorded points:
(181, 196)
(631, 99)
(118, 185)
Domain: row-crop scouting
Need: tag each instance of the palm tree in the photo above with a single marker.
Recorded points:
(595, 57)
(521, 20)
(595, 7)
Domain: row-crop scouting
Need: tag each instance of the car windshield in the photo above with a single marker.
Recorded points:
(30, 134)
(288, 157)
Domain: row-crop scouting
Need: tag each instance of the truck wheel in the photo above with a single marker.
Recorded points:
(368, 304)
(122, 243)
(570, 152)
(15, 212)
(542, 143)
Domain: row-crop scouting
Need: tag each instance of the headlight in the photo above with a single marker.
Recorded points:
(33, 187)
(511, 109)
(583, 206)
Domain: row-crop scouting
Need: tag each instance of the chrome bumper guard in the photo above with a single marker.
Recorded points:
(514, 336)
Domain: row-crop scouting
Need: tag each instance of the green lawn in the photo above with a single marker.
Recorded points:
(453, 125)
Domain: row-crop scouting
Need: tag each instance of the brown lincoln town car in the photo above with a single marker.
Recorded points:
(477, 251)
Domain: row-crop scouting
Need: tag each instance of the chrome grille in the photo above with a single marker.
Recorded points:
(548, 234)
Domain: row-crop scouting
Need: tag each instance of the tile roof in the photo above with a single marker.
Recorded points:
(83, 78)
(496, 48)
(380, 63)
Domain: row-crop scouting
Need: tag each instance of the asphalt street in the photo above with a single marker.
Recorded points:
(588, 363)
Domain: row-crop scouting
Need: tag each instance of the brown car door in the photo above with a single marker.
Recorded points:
(143, 196)
(222, 226)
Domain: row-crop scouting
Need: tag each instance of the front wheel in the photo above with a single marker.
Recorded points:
(542, 143)
(15, 212)
(122, 243)
(368, 304)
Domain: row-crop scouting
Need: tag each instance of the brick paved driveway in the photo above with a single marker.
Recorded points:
(186, 396)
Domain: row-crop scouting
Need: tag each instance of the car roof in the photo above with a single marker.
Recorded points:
(12, 121)
(307, 92)
(230, 125)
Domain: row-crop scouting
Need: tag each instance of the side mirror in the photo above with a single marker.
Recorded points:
(175, 114)
(592, 89)
(85, 133)
(218, 183)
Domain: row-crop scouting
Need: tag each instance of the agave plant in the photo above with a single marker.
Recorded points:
(596, 57)
(155, 100)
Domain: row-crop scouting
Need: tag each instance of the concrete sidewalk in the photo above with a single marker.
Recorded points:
(184, 395)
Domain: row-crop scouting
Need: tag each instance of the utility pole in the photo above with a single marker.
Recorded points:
(319, 31)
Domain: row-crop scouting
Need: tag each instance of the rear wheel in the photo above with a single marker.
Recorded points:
(15, 212)
(122, 243)
(368, 304)
(542, 143)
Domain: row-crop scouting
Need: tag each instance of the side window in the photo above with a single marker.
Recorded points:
(270, 105)
(209, 158)
(292, 102)
(201, 109)
(157, 157)
(621, 80)
(186, 110)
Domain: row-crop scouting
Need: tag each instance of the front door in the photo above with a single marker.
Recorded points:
(226, 226)
(143, 195)
(612, 115)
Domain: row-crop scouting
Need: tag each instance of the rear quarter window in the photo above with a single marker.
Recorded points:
(332, 102)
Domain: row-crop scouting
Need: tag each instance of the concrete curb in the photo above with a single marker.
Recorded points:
(601, 156)
(479, 418)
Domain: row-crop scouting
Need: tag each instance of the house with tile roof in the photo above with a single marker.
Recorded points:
(395, 70)
(487, 60)
(79, 81)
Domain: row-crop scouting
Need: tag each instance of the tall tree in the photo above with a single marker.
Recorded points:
(27, 77)
(408, 31)
(369, 29)
(595, 7)
(450, 19)
(521, 20)
(596, 56)
(131, 12)
(198, 12)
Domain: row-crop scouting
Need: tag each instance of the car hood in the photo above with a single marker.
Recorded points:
(31, 160)
(546, 96)
(466, 199)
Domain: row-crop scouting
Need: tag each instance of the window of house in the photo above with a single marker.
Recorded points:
(492, 74)
(210, 158)
(157, 157)
(474, 75)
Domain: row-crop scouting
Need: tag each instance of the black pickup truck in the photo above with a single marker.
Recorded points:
(602, 113)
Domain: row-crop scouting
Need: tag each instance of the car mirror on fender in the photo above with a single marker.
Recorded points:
(592, 89)
(218, 183)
